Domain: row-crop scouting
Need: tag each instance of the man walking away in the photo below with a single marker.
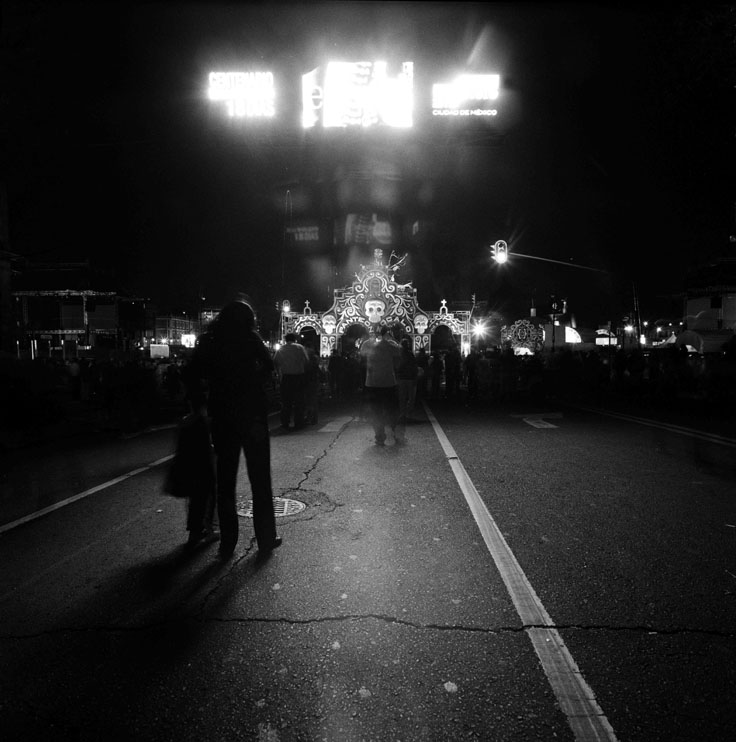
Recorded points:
(381, 355)
(291, 363)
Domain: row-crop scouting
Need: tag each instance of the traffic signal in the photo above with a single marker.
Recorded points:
(500, 251)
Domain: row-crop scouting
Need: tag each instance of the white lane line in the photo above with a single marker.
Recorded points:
(87, 493)
(81, 495)
(691, 432)
(574, 695)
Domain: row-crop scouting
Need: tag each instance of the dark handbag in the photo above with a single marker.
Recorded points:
(192, 470)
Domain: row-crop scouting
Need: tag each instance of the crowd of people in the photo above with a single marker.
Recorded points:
(232, 382)
(660, 376)
(130, 394)
(121, 393)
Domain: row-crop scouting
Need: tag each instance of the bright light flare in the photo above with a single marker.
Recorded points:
(500, 251)
(246, 94)
(360, 94)
(455, 98)
(465, 88)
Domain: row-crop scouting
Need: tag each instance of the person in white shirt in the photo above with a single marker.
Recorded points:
(381, 355)
(291, 362)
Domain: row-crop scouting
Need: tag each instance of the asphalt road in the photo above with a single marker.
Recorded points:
(508, 574)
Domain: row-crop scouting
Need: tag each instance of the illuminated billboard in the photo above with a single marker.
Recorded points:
(466, 95)
(358, 94)
(364, 94)
(246, 94)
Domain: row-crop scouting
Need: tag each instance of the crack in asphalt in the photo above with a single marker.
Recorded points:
(320, 498)
(353, 617)
(308, 473)
(299, 488)
(481, 629)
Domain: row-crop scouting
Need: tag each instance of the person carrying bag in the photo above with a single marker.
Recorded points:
(191, 475)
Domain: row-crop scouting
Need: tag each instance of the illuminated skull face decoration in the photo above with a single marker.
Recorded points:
(328, 324)
(375, 310)
(420, 323)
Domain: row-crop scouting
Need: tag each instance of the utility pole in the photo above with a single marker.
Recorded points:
(637, 317)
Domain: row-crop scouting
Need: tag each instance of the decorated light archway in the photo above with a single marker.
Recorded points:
(523, 336)
(374, 299)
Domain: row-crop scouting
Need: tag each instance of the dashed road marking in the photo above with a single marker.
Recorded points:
(539, 419)
(335, 425)
(538, 422)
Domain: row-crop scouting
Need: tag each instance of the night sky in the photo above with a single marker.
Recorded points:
(613, 148)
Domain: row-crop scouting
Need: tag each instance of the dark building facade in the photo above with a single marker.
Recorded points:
(63, 309)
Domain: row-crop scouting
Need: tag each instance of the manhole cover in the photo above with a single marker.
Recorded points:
(282, 506)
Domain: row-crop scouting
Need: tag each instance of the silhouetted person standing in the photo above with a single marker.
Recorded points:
(435, 368)
(471, 373)
(229, 372)
(335, 370)
(406, 376)
(422, 373)
(312, 387)
(453, 368)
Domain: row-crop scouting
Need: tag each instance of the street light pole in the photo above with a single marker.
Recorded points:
(555, 306)
(548, 260)
(287, 210)
(285, 314)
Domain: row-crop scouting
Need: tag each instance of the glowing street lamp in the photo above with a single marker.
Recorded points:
(478, 330)
(500, 251)
(628, 333)
(285, 315)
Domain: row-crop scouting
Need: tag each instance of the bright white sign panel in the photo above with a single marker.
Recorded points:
(361, 94)
(246, 94)
(456, 98)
